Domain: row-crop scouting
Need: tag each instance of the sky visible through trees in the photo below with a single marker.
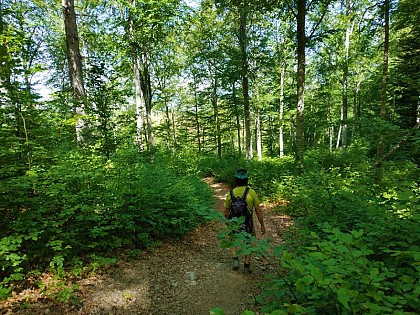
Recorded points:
(112, 112)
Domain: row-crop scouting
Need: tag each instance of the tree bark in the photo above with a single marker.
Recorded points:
(238, 121)
(197, 120)
(168, 122)
(258, 135)
(301, 43)
(215, 104)
(384, 94)
(404, 139)
(75, 67)
(142, 86)
(147, 92)
(5, 69)
(281, 111)
(349, 31)
(245, 82)
(139, 100)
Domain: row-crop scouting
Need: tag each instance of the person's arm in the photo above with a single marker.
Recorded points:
(258, 212)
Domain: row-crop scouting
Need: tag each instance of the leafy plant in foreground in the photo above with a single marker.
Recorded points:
(337, 275)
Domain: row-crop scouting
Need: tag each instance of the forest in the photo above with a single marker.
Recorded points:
(113, 111)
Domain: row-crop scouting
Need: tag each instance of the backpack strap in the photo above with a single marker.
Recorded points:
(244, 198)
(232, 196)
(245, 193)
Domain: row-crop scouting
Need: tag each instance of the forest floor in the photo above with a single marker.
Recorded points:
(187, 276)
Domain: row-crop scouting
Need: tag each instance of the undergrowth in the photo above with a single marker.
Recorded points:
(75, 215)
(354, 248)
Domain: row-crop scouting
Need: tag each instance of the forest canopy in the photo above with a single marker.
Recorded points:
(112, 111)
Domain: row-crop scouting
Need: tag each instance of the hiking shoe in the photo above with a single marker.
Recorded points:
(235, 263)
(247, 269)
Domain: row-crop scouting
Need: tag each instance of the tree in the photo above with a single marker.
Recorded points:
(243, 43)
(349, 20)
(74, 60)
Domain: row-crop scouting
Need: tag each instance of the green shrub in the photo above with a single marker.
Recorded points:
(86, 205)
(337, 275)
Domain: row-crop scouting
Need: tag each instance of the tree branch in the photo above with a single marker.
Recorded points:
(291, 8)
(319, 21)
(396, 147)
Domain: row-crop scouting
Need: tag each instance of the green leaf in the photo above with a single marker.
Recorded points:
(343, 296)
(217, 311)
(357, 234)
(346, 238)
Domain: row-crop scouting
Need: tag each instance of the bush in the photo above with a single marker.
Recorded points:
(337, 275)
(85, 205)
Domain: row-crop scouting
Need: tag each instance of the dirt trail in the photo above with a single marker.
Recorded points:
(188, 276)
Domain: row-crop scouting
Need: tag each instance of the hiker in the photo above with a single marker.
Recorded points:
(243, 192)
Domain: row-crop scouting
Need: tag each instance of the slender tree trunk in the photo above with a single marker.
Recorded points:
(340, 129)
(168, 122)
(245, 82)
(139, 99)
(349, 31)
(329, 119)
(197, 120)
(384, 94)
(75, 66)
(147, 92)
(356, 108)
(238, 121)
(301, 43)
(138, 89)
(281, 110)
(174, 130)
(258, 131)
(5, 69)
(215, 104)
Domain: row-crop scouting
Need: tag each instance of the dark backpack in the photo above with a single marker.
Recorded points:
(239, 208)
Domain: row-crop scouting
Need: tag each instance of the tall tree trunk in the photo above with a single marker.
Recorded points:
(75, 66)
(168, 122)
(5, 69)
(147, 92)
(139, 99)
(384, 94)
(340, 129)
(281, 110)
(215, 104)
(238, 121)
(331, 125)
(349, 31)
(301, 43)
(258, 133)
(174, 130)
(245, 82)
(138, 89)
(141, 66)
(356, 107)
(197, 120)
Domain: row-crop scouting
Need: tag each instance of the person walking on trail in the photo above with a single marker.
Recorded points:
(243, 201)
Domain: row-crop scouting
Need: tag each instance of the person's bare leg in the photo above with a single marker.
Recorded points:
(248, 259)
(235, 258)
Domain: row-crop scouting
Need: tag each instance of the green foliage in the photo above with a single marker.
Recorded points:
(85, 206)
(337, 274)
(354, 245)
(264, 175)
